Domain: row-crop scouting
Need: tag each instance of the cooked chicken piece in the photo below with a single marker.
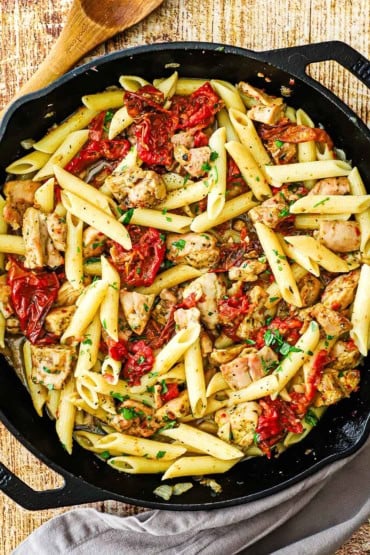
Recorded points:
(67, 294)
(186, 316)
(238, 424)
(248, 271)
(282, 152)
(331, 186)
(135, 419)
(208, 289)
(333, 323)
(57, 230)
(335, 385)
(58, 319)
(197, 249)
(222, 356)
(162, 310)
(136, 308)
(40, 250)
(206, 343)
(136, 187)
(6, 308)
(258, 94)
(271, 212)
(349, 380)
(339, 236)
(344, 355)
(256, 314)
(195, 161)
(176, 408)
(52, 364)
(340, 292)
(262, 362)
(93, 242)
(309, 289)
(236, 372)
(329, 389)
(184, 138)
(19, 195)
(267, 114)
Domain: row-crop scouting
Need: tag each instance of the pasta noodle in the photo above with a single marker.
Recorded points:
(303, 171)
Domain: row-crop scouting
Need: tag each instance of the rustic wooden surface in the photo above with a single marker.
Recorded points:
(27, 31)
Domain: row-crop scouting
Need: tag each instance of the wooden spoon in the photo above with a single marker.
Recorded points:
(89, 23)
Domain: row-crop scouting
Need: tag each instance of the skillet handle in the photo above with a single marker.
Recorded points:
(296, 58)
(74, 492)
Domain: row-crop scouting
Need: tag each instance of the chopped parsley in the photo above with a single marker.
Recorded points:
(180, 244)
(118, 396)
(186, 179)
(214, 156)
(205, 167)
(160, 454)
(127, 216)
(87, 341)
(105, 455)
(279, 143)
(164, 387)
(249, 341)
(273, 338)
(129, 414)
(311, 418)
(141, 359)
(321, 202)
(164, 211)
(284, 212)
(146, 308)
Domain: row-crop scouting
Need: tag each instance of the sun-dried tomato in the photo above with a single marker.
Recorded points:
(140, 360)
(277, 417)
(153, 132)
(289, 132)
(32, 295)
(171, 393)
(139, 266)
(197, 109)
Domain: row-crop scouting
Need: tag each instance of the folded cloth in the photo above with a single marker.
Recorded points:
(313, 517)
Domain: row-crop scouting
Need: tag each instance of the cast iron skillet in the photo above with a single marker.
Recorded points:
(344, 427)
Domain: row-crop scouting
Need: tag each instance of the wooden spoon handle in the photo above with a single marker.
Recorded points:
(79, 35)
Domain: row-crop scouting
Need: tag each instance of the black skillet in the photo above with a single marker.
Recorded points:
(343, 429)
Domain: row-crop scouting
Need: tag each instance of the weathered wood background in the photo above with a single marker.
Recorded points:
(27, 31)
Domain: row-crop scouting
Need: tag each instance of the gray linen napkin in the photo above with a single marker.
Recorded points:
(313, 517)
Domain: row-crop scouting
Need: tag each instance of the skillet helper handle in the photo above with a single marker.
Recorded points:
(74, 492)
(295, 59)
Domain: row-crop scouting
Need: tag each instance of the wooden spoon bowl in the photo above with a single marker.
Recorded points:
(88, 24)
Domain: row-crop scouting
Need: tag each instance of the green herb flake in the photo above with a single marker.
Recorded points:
(164, 387)
(160, 454)
(311, 418)
(127, 216)
(105, 455)
(214, 156)
(249, 341)
(284, 212)
(205, 167)
(321, 202)
(279, 143)
(119, 396)
(87, 341)
(146, 308)
(141, 359)
(164, 211)
(128, 414)
(180, 244)
(168, 219)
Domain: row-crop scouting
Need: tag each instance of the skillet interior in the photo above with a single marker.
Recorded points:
(343, 428)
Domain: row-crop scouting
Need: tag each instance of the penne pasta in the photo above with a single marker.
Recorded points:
(232, 209)
(306, 150)
(66, 416)
(208, 443)
(279, 264)
(44, 196)
(12, 244)
(168, 86)
(224, 120)
(71, 145)
(73, 254)
(110, 305)
(132, 82)
(169, 278)
(303, 171)
(229, 94)
(167, 221)
(363, 218)
(185, 195)
(103, 222)
(217, 174)
(52, 140)
(248, 136)
(103, 100)
(249, 169)
(138, 465)
(217, 383)
(38, 392)
(197, 466)
(361, 312)
(90, 302)
(89, 347)
(120, 121)
(317, 252)
(302, 259)
(28, 164)
(186, 86)
(194, 374)
(335, 204)
(312, 221)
